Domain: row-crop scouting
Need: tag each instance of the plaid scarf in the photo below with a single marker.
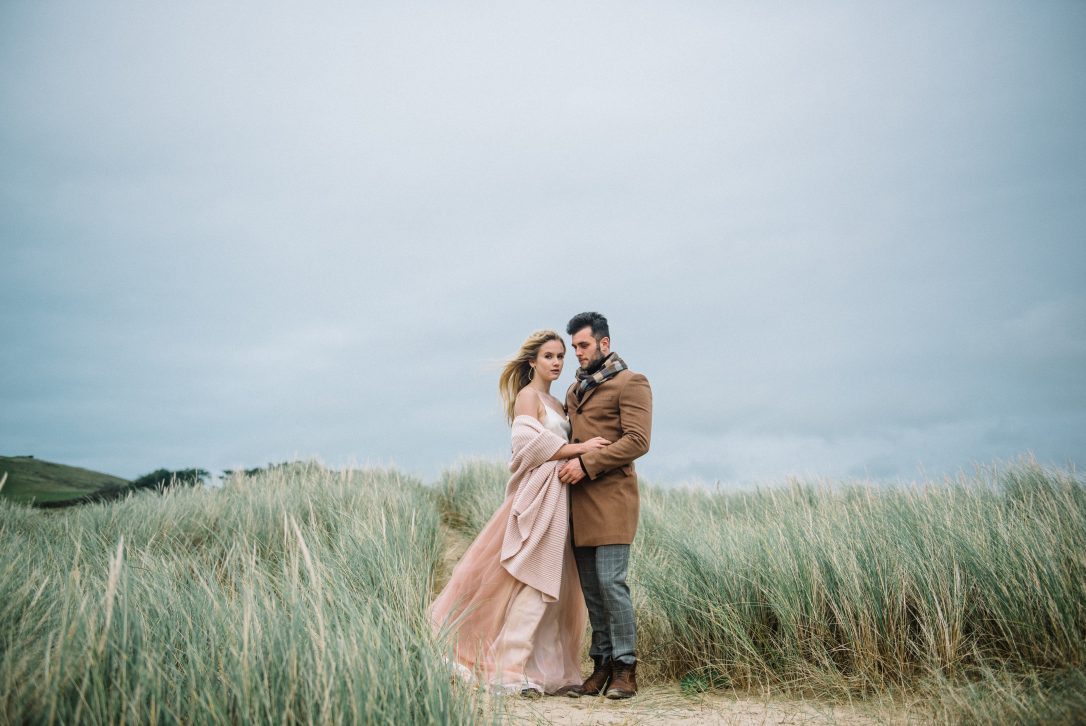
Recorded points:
(606, 368)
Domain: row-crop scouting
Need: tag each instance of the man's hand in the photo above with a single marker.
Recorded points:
(571, 472)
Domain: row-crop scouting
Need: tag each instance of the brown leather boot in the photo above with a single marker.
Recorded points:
(596, 682)
(623, 681)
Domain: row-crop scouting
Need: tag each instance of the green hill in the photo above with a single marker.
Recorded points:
(35, 480)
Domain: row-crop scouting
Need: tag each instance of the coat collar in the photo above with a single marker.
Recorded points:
(571, 395)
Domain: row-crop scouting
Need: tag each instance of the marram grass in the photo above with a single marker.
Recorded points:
(867, 587)
(970, 593)
(296, 596)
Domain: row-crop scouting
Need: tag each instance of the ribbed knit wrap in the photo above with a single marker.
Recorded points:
(538, 525)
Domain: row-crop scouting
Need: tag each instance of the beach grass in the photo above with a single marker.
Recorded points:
(299, 595)
(295, 596)
(969, 593)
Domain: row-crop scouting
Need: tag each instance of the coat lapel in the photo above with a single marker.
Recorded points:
(588, 394)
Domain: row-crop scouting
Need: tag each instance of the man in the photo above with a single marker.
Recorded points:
(611, 401)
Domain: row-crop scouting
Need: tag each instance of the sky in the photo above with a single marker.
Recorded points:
(842, 240)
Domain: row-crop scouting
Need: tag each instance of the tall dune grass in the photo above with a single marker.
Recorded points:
(296, 596)
(972, 590)
(469, 493)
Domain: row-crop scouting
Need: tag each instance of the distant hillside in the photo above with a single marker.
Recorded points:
(31, 479)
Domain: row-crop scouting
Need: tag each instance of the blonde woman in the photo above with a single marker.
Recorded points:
(513, 609)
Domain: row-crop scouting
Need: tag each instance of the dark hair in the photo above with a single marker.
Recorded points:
(597, 321)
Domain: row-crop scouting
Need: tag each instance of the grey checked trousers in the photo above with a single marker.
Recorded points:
(602, 571)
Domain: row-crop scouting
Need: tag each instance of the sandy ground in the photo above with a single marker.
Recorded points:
(666, 704)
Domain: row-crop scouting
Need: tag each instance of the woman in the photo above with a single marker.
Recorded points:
(513, 607)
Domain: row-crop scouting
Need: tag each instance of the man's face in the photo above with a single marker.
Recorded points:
(587, 350)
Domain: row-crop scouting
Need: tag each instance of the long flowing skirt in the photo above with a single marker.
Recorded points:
(501, 631)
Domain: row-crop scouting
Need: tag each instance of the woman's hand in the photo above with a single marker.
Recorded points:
(571, 451)
(592, 444)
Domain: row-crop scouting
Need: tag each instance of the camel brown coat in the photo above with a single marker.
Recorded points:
(604, 505)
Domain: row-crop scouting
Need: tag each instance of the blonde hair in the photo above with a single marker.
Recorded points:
(515, 374)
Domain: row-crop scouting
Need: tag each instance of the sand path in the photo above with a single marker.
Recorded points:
(666, 704)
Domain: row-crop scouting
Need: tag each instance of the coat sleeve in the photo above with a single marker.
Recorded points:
(635, 421)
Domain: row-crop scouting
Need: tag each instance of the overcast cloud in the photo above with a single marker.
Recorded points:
(841, 239)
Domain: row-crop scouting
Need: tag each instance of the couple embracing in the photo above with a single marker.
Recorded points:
(514, 609)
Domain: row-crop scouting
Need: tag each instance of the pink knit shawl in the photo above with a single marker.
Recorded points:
(538, 526)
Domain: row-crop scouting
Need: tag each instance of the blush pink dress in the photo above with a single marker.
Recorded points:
(503, 632)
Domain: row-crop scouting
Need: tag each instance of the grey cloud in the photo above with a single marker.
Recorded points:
(839, 240)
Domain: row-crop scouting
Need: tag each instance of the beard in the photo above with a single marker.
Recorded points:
(596, 361)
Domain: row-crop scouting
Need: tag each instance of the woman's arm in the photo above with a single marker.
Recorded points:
(571, 450)
(528, 403)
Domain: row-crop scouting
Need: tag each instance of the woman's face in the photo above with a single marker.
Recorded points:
(549, 360)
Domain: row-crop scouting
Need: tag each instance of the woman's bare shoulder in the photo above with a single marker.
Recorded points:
(527, 393)
(527, 403)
